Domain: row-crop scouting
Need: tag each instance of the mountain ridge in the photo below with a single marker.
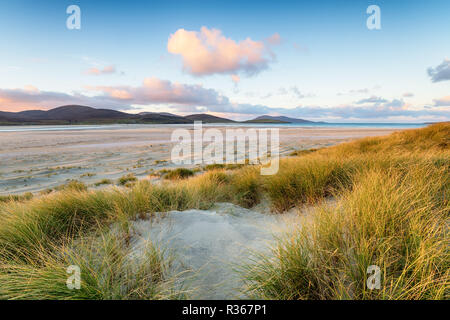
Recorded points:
(77, 114)
(282, 119)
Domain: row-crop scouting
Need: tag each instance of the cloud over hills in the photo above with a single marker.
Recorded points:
(192, 98)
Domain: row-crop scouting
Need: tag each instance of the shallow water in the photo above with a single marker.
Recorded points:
(237, 124)
(212, 244)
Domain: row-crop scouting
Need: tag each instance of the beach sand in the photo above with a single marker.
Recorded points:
(32, 161)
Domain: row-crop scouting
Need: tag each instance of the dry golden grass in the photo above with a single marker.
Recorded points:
(392, 211)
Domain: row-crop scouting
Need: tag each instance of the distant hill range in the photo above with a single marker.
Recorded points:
(74, 114)
(278, 119)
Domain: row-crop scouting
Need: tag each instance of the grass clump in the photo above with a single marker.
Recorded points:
(228, 166)
(394, 220)
(107, 271)
(178, 174)
(38, 224)
(391, 211)
(88, 174)
(103, 182)
(16, 197)
(144, 199)
(72, 185)
(297, 153)
(204, 190)
(124, 180)
(246, 187)
(46, 191)
(307, 180)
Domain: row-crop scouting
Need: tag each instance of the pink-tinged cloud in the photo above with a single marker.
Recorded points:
(106, 70)
(210, 52)
(235, 78)
(153, 91)
(30, 97)
(442, 102)
(274, 39)
(157, 91)
(188, 98)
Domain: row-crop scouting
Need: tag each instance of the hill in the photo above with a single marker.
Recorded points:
(208, 118)
(146, 113)
(278, 119)
(265, 121)
(162, 118)
(65, 115)
(76, 114)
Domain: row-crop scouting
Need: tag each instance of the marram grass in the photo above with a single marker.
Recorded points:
(396, 221)
(107, 268)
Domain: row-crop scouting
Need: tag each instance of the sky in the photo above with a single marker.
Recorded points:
(315, 60)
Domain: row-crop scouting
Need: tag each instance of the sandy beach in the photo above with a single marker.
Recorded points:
(31, 161)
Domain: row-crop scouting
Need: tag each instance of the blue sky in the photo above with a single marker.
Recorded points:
(314, 60)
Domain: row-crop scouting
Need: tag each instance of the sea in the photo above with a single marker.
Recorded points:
(249, 125)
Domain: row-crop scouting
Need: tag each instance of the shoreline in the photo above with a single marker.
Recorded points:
(76, 127)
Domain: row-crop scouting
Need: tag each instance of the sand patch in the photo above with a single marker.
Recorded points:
(210, 245)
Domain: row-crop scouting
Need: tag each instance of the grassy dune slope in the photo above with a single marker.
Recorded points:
(392, 211)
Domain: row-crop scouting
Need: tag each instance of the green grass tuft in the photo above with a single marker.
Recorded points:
(103, 182)
(178, 174)
(128, 178)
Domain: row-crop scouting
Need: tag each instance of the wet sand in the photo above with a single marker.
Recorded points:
(31, 161)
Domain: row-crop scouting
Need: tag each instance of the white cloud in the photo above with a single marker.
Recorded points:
(209, 52)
